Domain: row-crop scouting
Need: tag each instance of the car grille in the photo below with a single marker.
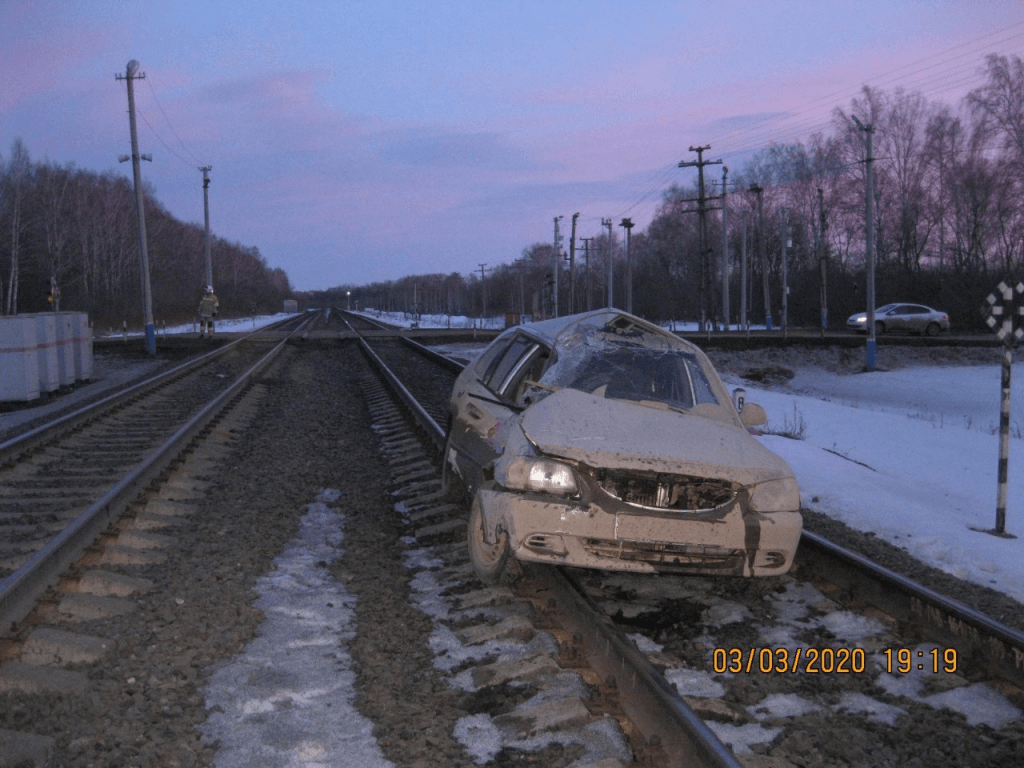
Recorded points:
(684, 493)
(689, 557)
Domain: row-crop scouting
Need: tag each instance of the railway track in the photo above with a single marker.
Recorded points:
(535, 686)
(62, 482)
(870, 643)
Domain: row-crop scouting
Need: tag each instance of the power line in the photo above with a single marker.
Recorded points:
(849, 92)
(166, 118)
(774, 129)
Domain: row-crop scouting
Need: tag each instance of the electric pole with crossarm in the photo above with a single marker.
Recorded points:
(701, 210)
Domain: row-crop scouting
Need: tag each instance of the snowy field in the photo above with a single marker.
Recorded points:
(910, 455)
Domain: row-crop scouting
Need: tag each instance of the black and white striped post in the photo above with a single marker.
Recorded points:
(1006, 316)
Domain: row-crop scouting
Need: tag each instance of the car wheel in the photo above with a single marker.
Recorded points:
(493, 563)
(932, 329)
(879, 327)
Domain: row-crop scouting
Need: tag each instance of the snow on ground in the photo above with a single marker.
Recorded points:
(912, 456)
(297, 672)
(233, 325)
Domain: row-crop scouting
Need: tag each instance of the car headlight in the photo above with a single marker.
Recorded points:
(775, 496)
(524, 473)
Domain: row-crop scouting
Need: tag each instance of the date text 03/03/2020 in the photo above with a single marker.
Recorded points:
(829, 660)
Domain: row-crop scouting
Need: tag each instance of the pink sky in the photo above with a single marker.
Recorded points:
(358, 142)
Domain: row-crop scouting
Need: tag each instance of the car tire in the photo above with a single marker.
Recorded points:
(879, 327)
(493, 563)
(932, 329)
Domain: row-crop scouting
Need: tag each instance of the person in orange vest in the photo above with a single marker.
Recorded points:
(208, 307)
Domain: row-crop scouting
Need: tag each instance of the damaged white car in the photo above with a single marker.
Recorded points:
(602, 441)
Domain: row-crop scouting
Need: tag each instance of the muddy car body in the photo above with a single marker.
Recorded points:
(602, 441)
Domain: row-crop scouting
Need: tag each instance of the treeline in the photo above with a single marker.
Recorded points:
(77, 229)
(948, 226)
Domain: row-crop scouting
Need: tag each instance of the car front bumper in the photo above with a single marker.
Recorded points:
(549, 530)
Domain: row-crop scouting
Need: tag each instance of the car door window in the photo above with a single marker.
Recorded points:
(485, 363)
(510, 363)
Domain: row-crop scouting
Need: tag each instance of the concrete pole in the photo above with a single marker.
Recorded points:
(725, 248)
(869, 241)
(784, 321)
(822, 261)
(557, 263)
(743, 276)
(572, 266)
(586, 269)
(206, 215)
(628, 225)
(611, 293)
(140, 212)
(483, 290)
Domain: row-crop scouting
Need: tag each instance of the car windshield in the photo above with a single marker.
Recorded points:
(626, 362)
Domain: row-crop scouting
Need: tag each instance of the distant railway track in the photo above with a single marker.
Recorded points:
(907, 627)
(63, 482)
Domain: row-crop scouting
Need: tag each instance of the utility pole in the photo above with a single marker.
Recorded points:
(822, 261)
(557, 266)
(611, 294)
(762, 257)
(785, 270)
(702, 209)
(869, 238)
(743, 276)
(725, 248)
(586, 270)
(140, 213)
(627, 224)
(206, 213)
(483, 289)
(572, 266)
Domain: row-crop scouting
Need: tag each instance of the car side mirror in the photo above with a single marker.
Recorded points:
(753, 415)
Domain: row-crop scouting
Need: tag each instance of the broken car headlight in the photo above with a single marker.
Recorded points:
(542, 475)
(775, 496)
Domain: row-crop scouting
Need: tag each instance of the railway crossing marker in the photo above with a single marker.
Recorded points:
(1005, 315)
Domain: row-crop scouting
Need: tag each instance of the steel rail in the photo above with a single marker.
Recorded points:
(647, 698)
(433, 431)
(28, 440)
(941, 618)
(20, 590)
(651, 703)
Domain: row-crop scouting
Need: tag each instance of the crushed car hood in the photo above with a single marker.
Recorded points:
(616, 434)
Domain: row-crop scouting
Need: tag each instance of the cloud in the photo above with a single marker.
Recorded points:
(429, 147)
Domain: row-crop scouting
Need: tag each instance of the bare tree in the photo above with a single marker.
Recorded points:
(16, 178)
(1000, 102)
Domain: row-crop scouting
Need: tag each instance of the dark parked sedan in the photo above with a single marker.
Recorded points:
(912, 318)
